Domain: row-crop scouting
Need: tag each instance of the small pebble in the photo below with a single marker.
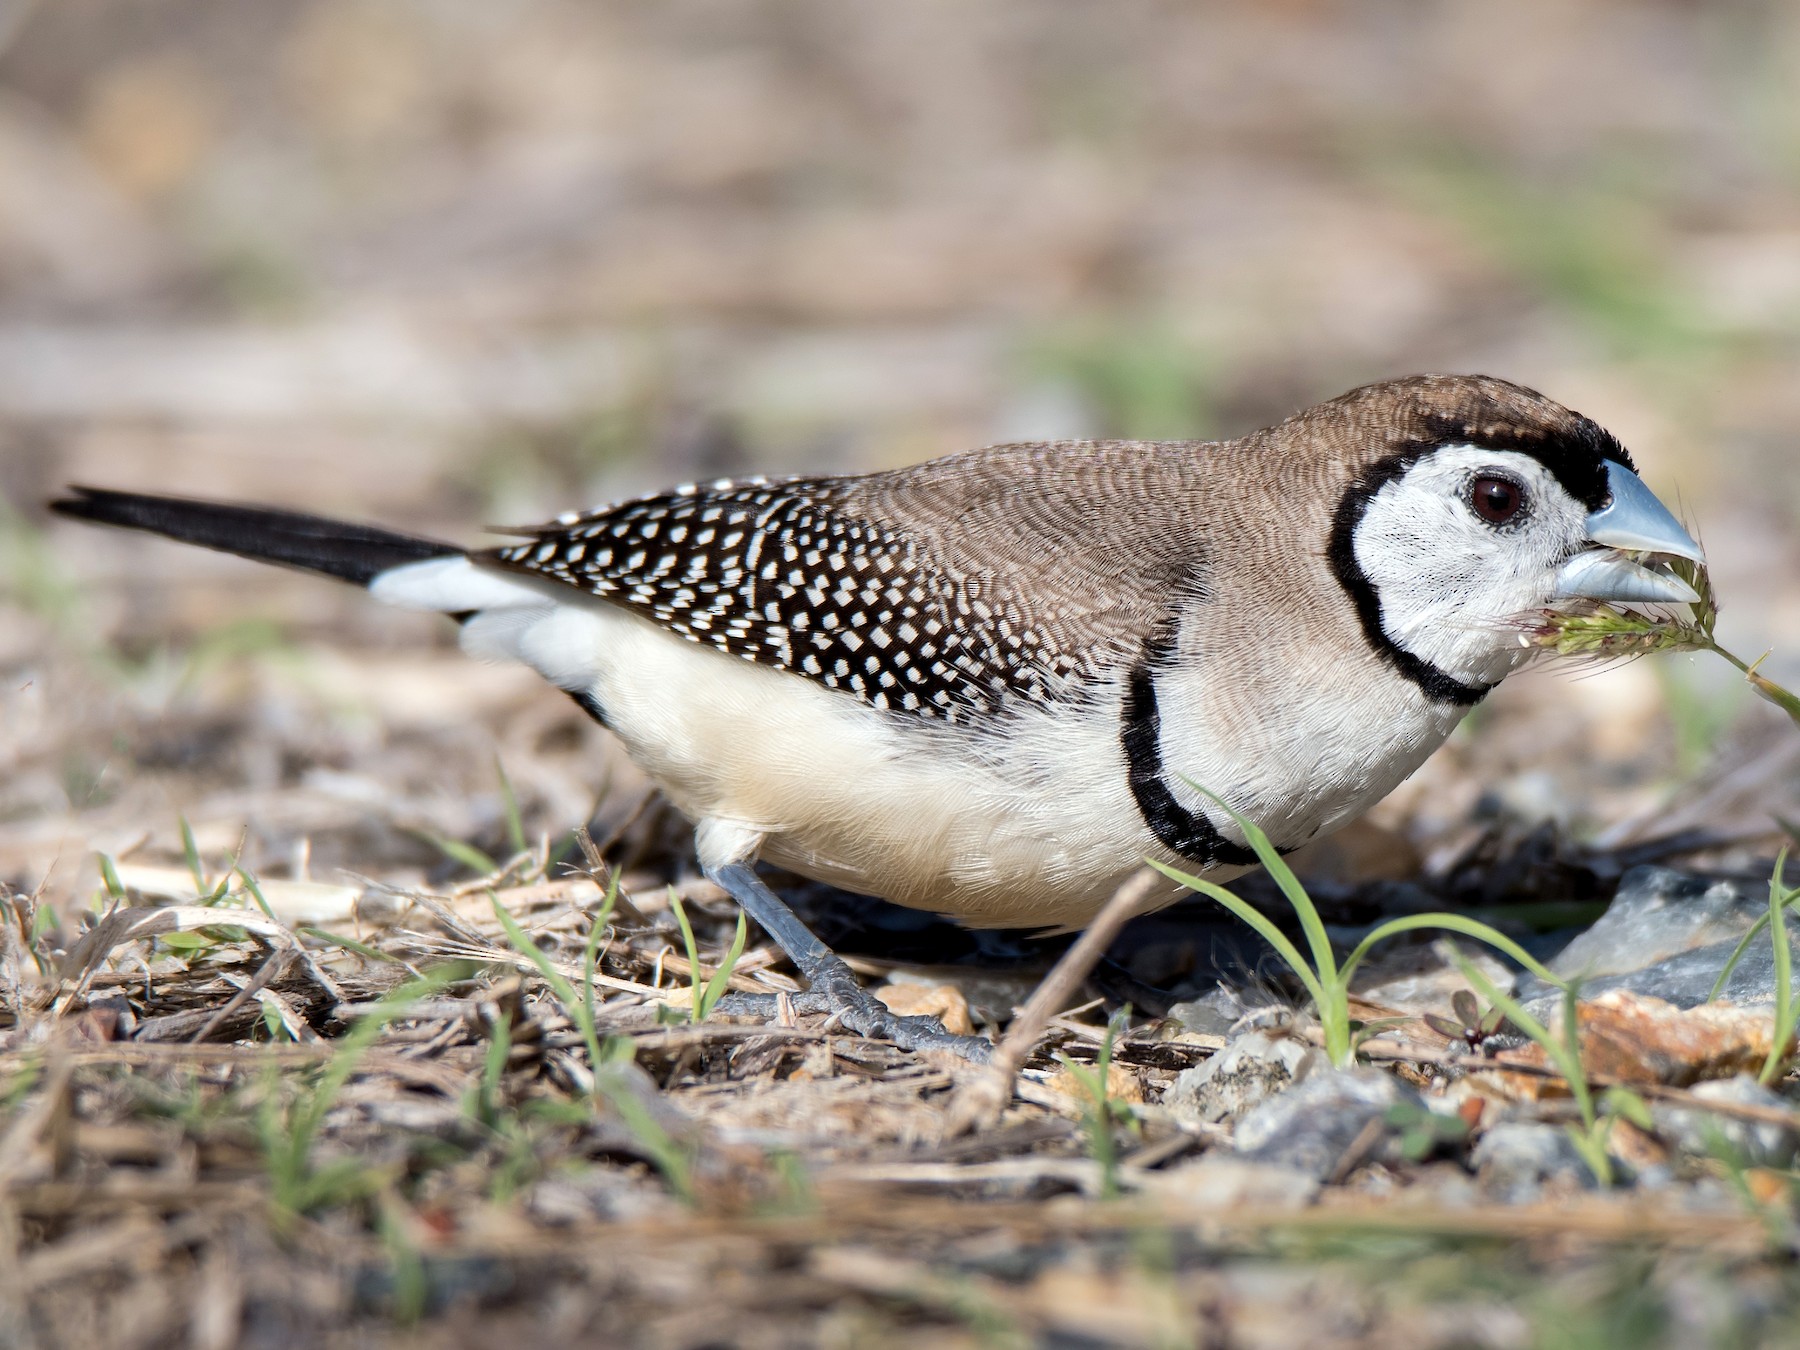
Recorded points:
(1250, 1069)
(1516, 1160)
(1314, 1126)
(1702, 1133)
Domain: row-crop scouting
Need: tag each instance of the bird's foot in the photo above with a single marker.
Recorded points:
(835, 991)
(832, 986)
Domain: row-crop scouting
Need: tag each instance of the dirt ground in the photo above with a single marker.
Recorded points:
(450, 265)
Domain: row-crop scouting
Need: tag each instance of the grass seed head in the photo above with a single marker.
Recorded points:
(1593, 628)
(1603, 631)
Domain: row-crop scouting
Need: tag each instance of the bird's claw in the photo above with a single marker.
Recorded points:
(835, 992)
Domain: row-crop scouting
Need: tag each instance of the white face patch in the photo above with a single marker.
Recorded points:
(1452, 584)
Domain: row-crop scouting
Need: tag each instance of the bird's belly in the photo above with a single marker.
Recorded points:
(926, 815)
(1033, 824)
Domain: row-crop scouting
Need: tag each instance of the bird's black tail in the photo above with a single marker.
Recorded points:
(337, 548)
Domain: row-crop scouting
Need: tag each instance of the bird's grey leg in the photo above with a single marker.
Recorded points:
(832, 985)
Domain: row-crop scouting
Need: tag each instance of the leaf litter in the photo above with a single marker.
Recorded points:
(297, 1069)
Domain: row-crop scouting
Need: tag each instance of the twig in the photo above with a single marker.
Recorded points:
(277, 963)
(983, 1095)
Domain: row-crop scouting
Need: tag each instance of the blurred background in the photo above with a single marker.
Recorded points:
(440, 264)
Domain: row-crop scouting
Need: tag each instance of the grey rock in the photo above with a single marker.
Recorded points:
(1515, 1160)
(1250, 1069)
(1313, 1126)
(1696, 1131)
(1219, 1010)
(1685, 980)
(1666, 934)
(1657, 914)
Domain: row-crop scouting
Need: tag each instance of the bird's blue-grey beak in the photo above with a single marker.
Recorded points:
(1632, 522)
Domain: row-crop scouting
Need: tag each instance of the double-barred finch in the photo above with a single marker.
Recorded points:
(988, 685)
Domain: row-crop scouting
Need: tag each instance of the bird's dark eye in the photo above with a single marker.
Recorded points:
(1496, 500)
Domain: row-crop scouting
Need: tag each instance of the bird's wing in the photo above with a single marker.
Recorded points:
(876, 585)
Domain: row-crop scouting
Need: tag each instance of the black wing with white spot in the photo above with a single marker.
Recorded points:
(777, 572)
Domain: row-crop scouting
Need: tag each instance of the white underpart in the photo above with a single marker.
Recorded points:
(1033, 830)
(1453, 586)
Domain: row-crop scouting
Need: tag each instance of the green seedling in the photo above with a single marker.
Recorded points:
(1102, 1113)
(509, 804)
(1327, 981)
(1755, 930)
(590, 952)
(191, 851)
(199, 940)
(608, 1059)
(476, 860)
(1471, 1025)
(1423, 1131)
(1564, 1053)
(109, 878)
(255, 889)
(704, 997)
(486, 1104)
(580, 1011)
(1781, 899)
(287, 1128)
(464, 855)
(411, 1289)
(361, 949)
(217, 892)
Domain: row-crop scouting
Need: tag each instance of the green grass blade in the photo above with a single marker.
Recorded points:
(362, 949)
(1251, 915)
(1324, 959)
(467, 855)
(1784, 973)
(109, 878)
(1566, 1059)
(1755, 930)
(493, 1070)
(607, 1060)
(1451, 923)
(693, 955)
(509, 803)
(1737, 954)
(721, 978)
(288, 1135)
(575, 1007)
(590, 953)
(262, 903)
(191, 852)
(356, 1042)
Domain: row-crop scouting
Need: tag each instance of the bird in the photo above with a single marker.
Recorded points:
(994, 684)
